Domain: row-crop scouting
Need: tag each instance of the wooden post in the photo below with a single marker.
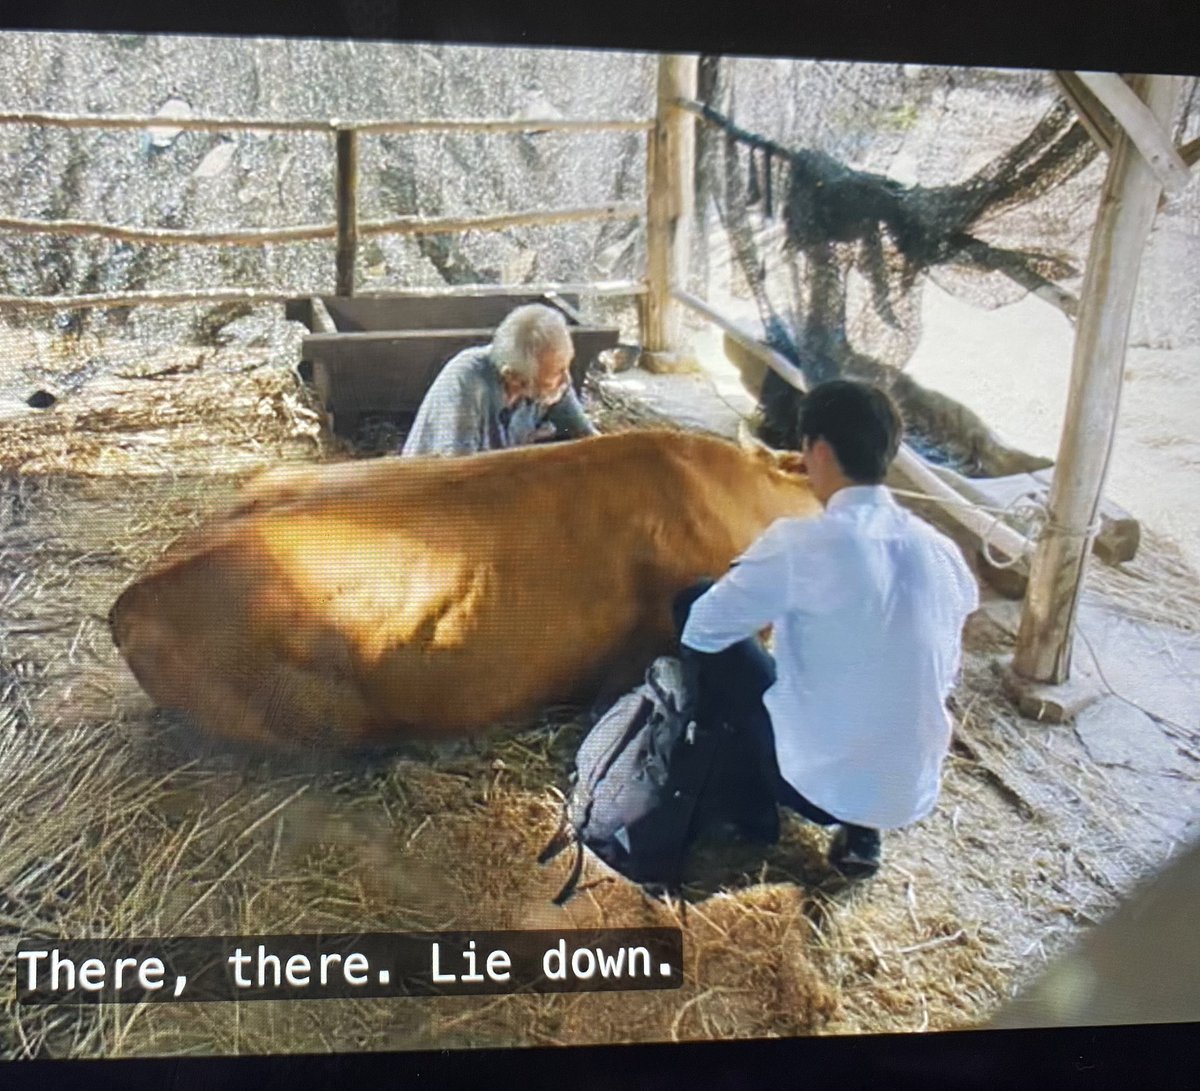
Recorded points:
(670, 184)
(347, 209)
(1127, 205)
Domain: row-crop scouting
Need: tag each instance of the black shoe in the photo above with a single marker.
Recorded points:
(759, 831)
(855, 851)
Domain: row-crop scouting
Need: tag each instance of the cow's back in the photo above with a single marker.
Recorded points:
(364, 601)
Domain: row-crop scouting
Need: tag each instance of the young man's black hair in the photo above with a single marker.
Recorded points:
(859, 421)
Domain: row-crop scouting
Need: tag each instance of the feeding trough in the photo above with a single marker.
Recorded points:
(380, 354)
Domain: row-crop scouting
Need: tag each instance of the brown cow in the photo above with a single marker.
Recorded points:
(359, 603)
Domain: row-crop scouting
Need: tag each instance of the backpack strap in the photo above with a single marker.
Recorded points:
(568, 889)
(561, 839)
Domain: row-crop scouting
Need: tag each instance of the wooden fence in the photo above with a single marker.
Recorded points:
(347, 229)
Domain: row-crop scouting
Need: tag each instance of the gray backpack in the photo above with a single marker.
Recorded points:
(639, 775)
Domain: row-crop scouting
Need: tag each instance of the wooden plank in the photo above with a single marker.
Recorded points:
(419, 313)
(1127, 206)
(262, 236)
(1144, 128)
(444, 225)
(310, 125)
(347, 209)
(514, 125)
(403, 340)
(255, 236)
(320, 321)
(668, 204)
(399, 337)
(477, 291)
(908, 465)
(168, 298)
(1090, 111)
(171, 298)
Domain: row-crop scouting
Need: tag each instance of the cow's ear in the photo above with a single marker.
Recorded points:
(752, 445)
(790, 462)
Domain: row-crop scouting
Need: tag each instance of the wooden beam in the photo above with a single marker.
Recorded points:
(1090, 111)
(908, 463)
(132, 299)
(441, 225)
(599, 288)
(322, 321)
(43, 303)
(1147, 131)
(669, 204)
(259, 236)
(516, 125)
(1127, 206)
(313, 125)
(347, 209)
(160, 236)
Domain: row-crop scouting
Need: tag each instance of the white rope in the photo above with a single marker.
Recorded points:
(1031, 514)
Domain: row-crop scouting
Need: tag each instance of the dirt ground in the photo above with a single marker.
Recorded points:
(117, 822)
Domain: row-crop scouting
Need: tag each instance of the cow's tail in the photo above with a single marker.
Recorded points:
(118, 616)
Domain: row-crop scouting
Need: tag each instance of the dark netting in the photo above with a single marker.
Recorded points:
(840, 221)
(835, 257)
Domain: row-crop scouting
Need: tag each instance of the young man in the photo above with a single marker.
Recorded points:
(513, 391)
(867, 604)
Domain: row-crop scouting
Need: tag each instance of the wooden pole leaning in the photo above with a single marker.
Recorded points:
(669, 156)
(1127, 206)
(347, 209)
(913, 472)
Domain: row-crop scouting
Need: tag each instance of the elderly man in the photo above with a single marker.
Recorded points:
(516, 390)
(848, 720)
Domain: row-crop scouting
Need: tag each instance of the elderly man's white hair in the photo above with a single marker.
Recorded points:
(525, 334)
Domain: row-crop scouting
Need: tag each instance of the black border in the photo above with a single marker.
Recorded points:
(1157, 1056)
(1114, 35)
(1111, 35)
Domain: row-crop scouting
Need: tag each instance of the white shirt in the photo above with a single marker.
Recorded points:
(867, 603)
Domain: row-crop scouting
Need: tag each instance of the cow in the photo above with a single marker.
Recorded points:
(359, 604)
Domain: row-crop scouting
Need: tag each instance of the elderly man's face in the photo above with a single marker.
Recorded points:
(553, 376)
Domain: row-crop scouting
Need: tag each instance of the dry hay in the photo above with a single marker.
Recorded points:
(185, 410)
(113, 825)
(1158, 585)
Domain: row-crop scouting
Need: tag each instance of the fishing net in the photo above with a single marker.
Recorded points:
(988, 188)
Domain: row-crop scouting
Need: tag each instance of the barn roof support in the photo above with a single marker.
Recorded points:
(1142, 162)
(669, 196)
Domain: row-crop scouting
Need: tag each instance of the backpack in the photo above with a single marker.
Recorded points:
(642, 775)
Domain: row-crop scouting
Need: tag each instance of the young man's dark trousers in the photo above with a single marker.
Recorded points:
(731, 687)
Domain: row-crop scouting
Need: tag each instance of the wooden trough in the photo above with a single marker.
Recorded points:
(379, 354)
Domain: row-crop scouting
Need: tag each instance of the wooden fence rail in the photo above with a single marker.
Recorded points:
(258, 236)
(169, 297)
(346, 231)
(328, 127)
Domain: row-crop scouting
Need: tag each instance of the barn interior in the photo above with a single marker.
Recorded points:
(119, 821)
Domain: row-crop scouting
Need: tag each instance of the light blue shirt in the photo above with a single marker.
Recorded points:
(464, 412)
(868, 604)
